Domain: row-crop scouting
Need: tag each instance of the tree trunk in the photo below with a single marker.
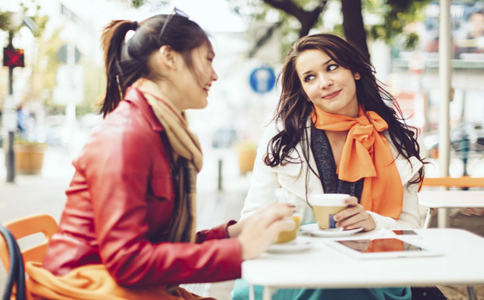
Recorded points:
(307, 19)
(306, 25)
(353, 25)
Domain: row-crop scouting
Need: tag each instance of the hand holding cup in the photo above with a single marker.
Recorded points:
(261, 229)
(285, 236)
(354, 216)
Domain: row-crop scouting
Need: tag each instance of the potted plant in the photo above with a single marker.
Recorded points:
(29, 156)
(247, 152)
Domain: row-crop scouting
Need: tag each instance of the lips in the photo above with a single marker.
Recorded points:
(206, 88)
(331, 95)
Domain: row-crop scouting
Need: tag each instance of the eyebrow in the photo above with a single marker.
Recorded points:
(324, 64)
(211, 52)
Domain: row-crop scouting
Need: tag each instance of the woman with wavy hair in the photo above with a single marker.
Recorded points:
(336, 130)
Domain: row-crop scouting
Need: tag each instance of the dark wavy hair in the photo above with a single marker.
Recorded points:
(127, 61)
(293, 109)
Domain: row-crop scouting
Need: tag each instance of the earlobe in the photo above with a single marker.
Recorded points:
(357, 76)
(167, 56)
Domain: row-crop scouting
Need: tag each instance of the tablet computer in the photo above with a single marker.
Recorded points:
(404, 232)
(381, 248)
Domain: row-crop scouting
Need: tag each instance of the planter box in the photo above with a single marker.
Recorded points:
(247, 154)
(29, 157)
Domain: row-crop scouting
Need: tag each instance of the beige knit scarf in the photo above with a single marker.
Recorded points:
(186, 161)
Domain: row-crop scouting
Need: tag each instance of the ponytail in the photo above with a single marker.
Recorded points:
(112, 42)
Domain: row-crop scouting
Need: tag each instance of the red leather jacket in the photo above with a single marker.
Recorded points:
(119, 204)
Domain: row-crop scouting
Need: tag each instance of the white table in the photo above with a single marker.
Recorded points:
(324, 267)
(444, 199)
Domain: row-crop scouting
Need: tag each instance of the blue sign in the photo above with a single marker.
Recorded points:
(262, 80)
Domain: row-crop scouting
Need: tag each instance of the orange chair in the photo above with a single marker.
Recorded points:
(444, 199)
(24, 227)
(460, 182)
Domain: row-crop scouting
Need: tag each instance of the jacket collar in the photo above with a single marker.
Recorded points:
(135, 96)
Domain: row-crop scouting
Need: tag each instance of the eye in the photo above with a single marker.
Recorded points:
(332, 67)
(308, 78)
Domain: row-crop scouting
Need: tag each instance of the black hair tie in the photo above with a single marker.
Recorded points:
(134, 25)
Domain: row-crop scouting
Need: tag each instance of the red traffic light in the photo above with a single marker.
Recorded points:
(13, 57)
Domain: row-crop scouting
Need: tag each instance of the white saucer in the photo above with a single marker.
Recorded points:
(290, 247)
(314, 230)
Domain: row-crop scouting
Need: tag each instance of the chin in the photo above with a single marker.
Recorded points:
(201, 105)
(204, 103)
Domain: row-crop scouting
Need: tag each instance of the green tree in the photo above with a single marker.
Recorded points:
(26, 8)
(48, 64)
(29, 11)
(95, 86)
(5, 20)
(153, 4)
(394, 14)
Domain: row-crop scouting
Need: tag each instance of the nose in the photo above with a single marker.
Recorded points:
(214, 76)
(325, 82)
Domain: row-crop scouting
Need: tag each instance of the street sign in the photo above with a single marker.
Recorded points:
(70, 85)
(262, 80)
(13, 57)
(63, 54)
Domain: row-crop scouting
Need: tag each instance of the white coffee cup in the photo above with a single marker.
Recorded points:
(325, 206)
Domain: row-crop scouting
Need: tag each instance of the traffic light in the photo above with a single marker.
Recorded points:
(13, 57)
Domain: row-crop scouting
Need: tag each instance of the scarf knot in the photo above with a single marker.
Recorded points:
(366, 154)
(364, 135)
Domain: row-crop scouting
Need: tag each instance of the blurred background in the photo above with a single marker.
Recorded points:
(52, 76)
(53, 72)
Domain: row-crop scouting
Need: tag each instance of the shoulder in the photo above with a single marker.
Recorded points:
(271, 130)
(123, 134)
(128, 124)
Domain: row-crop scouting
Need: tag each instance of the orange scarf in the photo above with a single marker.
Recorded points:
(367, 154)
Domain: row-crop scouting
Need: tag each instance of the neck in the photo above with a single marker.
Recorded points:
(168, 92)
(354, 112)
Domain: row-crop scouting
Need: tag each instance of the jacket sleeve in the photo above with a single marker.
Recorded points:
(216, 233)
(117, 173)
(410, 215)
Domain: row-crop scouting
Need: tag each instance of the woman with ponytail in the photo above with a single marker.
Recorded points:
(336, 130)
(128, 227)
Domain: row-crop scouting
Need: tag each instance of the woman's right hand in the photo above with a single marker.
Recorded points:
(261, 229)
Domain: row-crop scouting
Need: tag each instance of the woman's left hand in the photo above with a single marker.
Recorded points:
(354, 216)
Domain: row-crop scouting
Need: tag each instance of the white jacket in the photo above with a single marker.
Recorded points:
(291, 178)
